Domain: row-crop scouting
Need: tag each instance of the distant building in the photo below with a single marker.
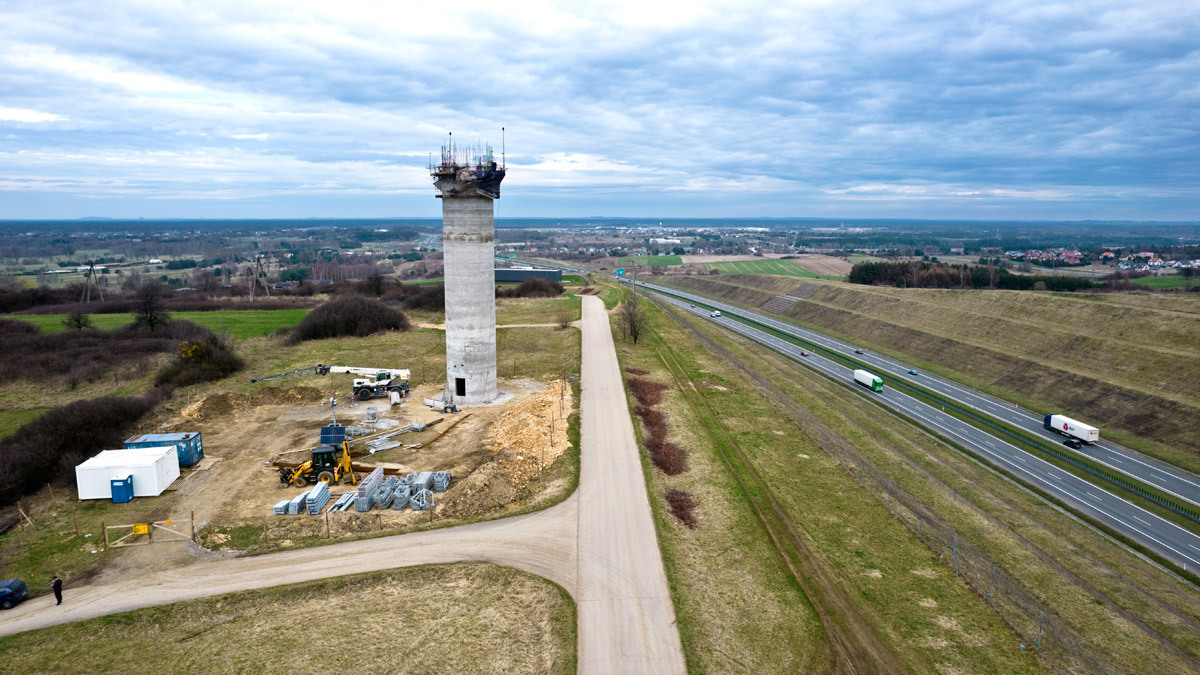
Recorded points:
(519, 274)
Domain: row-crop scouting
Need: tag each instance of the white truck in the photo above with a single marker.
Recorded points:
(868, 380)
(1069, 427)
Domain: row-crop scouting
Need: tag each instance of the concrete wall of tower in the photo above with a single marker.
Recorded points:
(468, 235)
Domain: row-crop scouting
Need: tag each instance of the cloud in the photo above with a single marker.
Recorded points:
(26, 115)
(738, 107)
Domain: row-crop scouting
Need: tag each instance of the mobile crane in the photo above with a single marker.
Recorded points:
(374, 381)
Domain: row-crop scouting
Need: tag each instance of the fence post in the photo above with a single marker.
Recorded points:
(955, 554)
(1041, 622)
(992, 590)
(51, 489)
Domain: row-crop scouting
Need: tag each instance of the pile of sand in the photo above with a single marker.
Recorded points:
(523, 435)
(223, 404)
(486, 488)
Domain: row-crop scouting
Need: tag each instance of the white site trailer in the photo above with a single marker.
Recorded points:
(153, 470)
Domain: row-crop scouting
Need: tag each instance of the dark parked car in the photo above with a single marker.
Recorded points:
(12, 591)
(858, 351)
(1072, 443)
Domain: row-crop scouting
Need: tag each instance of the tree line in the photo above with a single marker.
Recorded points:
(916, 274)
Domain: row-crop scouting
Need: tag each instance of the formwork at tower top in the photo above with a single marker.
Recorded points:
(468, 180)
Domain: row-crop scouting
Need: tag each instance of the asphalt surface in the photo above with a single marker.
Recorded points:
(599, 544)
(1171, 480)
(1154, 532)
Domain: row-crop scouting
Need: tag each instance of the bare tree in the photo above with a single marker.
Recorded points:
(631, 317)
(150, 312)
(564, 317)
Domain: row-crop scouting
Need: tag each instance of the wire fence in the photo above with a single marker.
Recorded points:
(1037, 625)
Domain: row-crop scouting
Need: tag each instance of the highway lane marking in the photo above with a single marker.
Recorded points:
(977, 401)
(1143, 522)
(755, 335)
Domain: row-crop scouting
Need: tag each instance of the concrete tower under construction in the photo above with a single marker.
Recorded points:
(468, 181)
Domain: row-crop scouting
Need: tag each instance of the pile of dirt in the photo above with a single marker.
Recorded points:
(217, 405)
(523, 435)
(486, 488)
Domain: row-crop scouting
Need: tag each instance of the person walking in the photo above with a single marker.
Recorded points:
(57, 587)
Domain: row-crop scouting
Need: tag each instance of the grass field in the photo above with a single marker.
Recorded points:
(1172, 282)
(573, 280)
(887, 573)
(749, 616)
(647, 260)
(788, 268)
(429, 619)
(239, 324)
(1082, 576)
(536, 310)
(13, 419)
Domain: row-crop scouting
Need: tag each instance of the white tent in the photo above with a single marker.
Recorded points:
(153, 469)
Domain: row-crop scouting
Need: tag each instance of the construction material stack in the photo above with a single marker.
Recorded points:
(366, 490)
(296, 503)
(317, 498)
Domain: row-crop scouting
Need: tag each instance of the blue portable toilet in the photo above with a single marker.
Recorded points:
(188, 444)
(122, 488)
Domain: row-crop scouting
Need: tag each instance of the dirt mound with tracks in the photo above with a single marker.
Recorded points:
(217, 405)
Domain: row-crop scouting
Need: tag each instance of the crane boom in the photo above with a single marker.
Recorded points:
(299, 372)
(391, 382)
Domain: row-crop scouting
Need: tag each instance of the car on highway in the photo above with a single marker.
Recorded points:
(1073, 443)
(803, 353)
(858, 351)
(12, 591)
(716, 314)
(912, 372)
(692, 306)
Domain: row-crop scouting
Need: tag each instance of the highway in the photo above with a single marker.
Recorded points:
(1152, 531)
(1171, 480)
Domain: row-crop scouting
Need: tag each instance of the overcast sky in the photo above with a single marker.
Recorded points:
(1004, 110)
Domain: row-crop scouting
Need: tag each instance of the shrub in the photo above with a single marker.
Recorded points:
(682, 506)
(83, 355)
(533, 287)
(647, 392)
(668, 457)
(51, 445)
(429, 297)
(206, 360)
(353, 316)
(77, 321)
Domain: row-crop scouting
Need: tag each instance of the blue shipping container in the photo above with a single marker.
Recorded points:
(122, 488)
(188, 445)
